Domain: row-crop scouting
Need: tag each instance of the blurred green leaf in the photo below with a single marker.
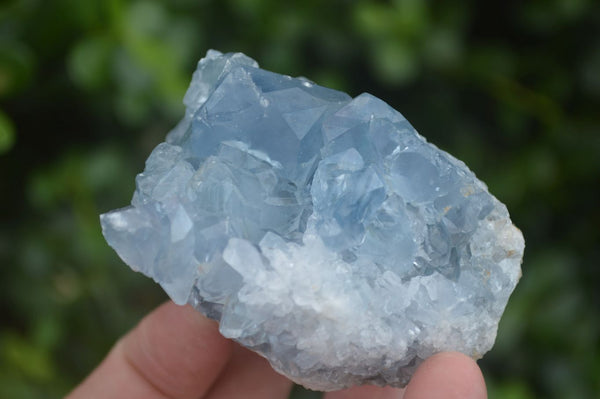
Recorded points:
(374, 19)
(21, 354)
(410, 18)
(7, 133)
(90, 62)
(147, 18)
(509, 390)
(16, 66)
(396, 62)
(443, 48)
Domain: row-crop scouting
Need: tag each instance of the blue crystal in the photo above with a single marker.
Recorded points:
(322, 231)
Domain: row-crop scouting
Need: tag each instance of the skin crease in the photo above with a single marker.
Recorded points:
(175, 352)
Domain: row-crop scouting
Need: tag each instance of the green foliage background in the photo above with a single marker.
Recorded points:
(88, 88)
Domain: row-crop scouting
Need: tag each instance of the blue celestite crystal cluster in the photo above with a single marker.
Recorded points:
(321, 231)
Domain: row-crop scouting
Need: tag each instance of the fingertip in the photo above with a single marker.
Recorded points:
(366, 391)
(174, 352)
(449, 375)
(249, 376)
(178, 350)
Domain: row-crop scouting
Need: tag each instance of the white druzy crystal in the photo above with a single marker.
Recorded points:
(321, 231)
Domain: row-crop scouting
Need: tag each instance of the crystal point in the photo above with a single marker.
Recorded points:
(321, 231)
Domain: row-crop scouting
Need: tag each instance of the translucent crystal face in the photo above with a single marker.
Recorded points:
(321, 231)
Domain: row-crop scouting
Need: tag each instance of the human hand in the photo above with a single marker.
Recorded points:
(175, 352)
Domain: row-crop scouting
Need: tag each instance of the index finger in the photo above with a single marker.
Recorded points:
(174, 352)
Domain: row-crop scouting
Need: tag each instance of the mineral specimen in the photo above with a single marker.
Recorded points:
(321, 231)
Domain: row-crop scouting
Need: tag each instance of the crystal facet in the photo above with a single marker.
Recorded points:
(321, 231)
